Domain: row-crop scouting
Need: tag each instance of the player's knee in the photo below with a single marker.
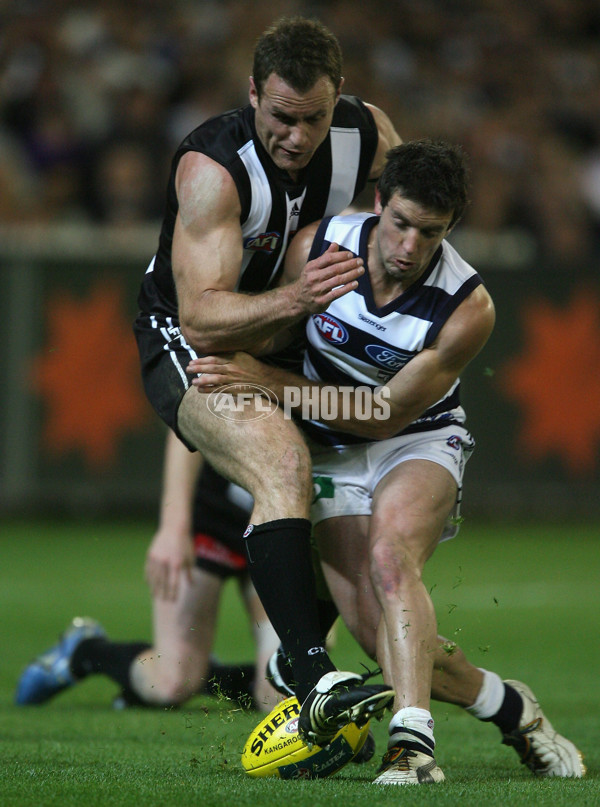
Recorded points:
(291, 477)
(174, 682)
(174, 690)
(296, 465)
(391, 570)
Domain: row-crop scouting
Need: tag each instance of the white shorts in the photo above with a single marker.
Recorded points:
(345, 478)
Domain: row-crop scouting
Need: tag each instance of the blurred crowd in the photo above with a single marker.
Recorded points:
(96, 94)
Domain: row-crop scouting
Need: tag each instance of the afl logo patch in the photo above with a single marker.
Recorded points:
(330, 329)
(264, 242)
(392, 359)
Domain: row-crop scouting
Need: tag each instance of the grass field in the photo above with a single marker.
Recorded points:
(522, 601)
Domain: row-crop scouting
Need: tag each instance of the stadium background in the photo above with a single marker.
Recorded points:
(94, 96)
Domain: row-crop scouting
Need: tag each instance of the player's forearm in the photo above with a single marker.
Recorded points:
(228, 321)
(180, 474)
(371, 413)
(361, 411)
(219, 321)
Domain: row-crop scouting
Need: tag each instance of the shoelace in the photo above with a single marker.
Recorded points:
(520, 741)
(369, 673)
(396, 755)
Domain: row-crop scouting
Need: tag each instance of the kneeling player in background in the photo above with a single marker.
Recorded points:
(196, 548)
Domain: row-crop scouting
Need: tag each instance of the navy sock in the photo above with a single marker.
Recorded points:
(508, 716)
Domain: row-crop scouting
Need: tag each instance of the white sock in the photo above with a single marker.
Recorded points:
(412, 724)
(490, 696)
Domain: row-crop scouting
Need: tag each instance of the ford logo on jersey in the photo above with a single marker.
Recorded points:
(393, 359)
(330, 329)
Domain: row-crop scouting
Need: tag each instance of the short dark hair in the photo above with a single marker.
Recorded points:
(299, 51)
(432, 173)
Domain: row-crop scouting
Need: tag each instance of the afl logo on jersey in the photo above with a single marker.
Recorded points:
(264, 242)
(392, 359)
(330, 329)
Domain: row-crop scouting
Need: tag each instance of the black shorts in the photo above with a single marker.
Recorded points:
(219, 521)
(216, 558)
(164, 355)
(220, 517)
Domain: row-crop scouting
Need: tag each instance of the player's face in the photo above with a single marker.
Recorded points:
(292, 125)
(407, 237)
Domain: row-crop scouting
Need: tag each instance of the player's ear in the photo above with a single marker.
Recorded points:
(253, 92)
(339, 89)
(451, 226)
(377, 207)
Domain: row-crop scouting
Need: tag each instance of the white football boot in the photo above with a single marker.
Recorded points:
(403, 766)
(541, 748)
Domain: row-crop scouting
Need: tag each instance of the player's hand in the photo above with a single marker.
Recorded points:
(211, 372)
(169, 560)
(326, 278)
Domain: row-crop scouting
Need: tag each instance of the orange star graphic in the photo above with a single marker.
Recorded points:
(88, 375)
(556, 381)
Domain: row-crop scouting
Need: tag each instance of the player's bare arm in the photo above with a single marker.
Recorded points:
(388, 138)
(417, 386)
(170, 553)
(207, 255)
(428, 377)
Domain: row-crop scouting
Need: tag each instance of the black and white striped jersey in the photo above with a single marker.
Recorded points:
(273, 205)
(356, 343)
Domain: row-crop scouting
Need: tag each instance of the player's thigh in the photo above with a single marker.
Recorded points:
(264, 456)
(185, 627)
(411, 505)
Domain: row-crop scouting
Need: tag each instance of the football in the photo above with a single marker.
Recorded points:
(275, 749)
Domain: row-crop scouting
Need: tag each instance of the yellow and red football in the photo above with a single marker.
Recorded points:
(275, 749)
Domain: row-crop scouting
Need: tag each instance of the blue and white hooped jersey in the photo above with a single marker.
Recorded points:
(357, 343)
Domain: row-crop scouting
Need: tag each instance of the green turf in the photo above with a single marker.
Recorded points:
(522, 601)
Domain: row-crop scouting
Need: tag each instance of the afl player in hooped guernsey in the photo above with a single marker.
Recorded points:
(356, 341)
